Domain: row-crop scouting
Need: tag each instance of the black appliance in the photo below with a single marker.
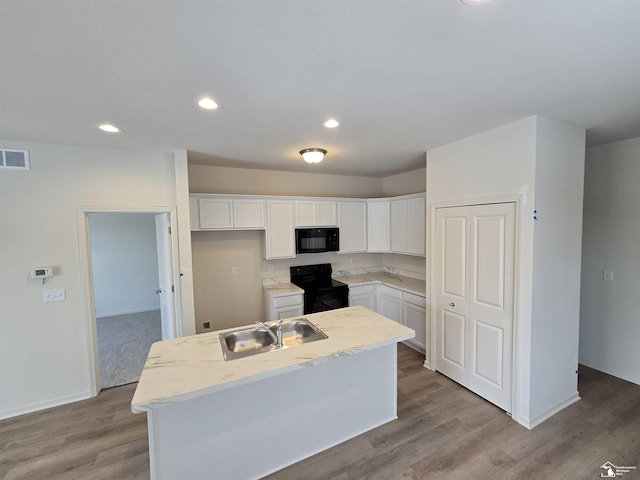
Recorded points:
(317, 240)
(321, 292)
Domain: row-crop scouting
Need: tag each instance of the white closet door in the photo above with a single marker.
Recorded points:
(475, 261)
(452, 303)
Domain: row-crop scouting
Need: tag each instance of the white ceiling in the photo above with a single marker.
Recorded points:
(402, 76)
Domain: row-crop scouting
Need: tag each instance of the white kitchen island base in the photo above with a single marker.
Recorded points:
(241, 419)
(257, 428)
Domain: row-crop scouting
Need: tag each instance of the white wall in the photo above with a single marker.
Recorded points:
(43, 346)
(560, 151)
(414, 181)
(506, 162)
(211, 179)
(609, 326)
(124, 259)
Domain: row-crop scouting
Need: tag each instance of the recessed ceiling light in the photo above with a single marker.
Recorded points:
(473, 3)
(207, 103)
(331, 123)
(107, 127)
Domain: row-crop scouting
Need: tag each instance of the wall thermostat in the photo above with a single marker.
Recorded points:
(42, 272)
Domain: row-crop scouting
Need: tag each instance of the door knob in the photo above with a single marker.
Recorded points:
(158, 291)
(452, 304)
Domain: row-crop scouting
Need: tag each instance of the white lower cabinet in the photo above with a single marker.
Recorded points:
(408, 309)
(363, 295)
(390, 303)
(414, 312)
(283, 307)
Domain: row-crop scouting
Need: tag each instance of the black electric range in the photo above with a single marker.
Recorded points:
(321, 292)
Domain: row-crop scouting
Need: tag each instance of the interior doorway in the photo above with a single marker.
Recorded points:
(129, 267)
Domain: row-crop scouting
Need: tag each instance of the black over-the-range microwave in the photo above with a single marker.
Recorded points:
(317, 240)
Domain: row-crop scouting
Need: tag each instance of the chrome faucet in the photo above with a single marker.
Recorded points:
(277, 337)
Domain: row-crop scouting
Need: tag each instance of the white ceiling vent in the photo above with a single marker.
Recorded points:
(10, 158)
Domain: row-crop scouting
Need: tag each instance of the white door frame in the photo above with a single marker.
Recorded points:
(86, 269)
(519, 200)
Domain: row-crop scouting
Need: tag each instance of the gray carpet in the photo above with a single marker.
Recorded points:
(123, 345)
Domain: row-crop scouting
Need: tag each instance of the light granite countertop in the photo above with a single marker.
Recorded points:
(412, 285)
(190, 367)
(282, 289)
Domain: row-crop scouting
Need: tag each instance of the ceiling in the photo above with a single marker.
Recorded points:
(402, 76)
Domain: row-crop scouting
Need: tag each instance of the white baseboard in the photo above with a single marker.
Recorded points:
(36, 407)
(550, 412)
(128, 312)
(628, 376)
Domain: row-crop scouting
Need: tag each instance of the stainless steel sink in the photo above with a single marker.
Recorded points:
(254, 340)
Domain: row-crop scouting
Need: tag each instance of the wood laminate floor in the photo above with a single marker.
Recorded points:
(443, 432)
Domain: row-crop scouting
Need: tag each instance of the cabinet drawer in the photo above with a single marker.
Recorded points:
(414, 299)
(288, 301)
(391, 292)
(361, 289)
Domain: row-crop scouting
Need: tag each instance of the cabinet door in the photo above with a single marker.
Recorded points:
(378, 226)
(306, 213)
(415, 317)
(248, 213)
(352, 222)
(364, 300)
(390, 307)
(279, 234)
(288, 312)
(216, 213)
(416, 218)
(327, 216)
(399, 226)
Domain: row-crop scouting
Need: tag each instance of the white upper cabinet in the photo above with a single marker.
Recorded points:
(216, 213)
(416, 226)
(210, 212)
(327, 214)
(352, 221)
(408, 225)
(248, 213)
(378, 225)
(279, 234)
(399, 230)
(312, 213)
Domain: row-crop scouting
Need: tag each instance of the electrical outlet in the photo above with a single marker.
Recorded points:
(206, 325)
(234, 270)
(54, 295)
(607, 275)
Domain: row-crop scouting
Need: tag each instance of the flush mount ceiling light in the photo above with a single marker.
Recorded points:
(313, 155)
(207, 103)
(331, 123)
(109, 128)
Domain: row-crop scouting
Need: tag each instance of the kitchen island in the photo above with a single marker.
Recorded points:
(248, 417)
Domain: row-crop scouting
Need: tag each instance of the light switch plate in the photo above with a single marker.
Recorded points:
(54, 295)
